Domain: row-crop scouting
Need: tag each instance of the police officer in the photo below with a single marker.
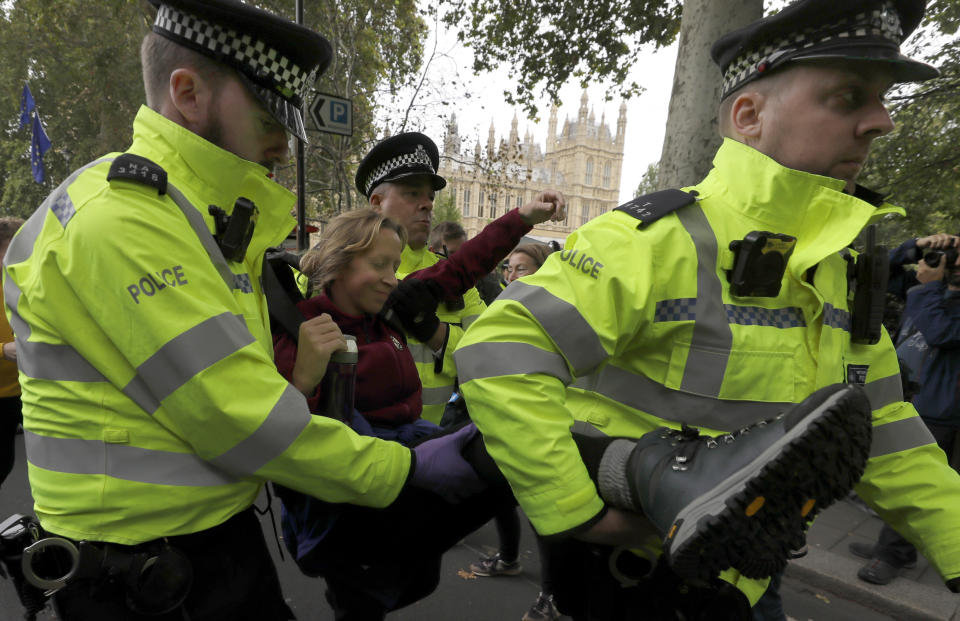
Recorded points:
(645, 319)
(153, 413)
(399, 178)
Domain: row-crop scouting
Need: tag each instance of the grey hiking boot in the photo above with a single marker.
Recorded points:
(744, 499)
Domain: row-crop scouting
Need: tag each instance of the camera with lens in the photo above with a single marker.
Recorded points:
(933, 257)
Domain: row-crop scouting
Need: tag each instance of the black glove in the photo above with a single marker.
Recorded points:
(415, 303)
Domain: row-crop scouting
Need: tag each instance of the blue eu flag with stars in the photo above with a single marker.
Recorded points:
(26, 106)
(38, 146)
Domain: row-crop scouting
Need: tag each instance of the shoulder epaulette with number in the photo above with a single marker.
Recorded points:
(130, 167)
(651, 207)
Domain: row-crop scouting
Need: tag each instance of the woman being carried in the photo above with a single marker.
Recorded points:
(377, 560)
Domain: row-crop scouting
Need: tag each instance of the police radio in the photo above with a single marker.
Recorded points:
(760, 260)
(869, 276)
(233, 232)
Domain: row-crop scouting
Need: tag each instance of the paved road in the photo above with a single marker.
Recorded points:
(460, 597)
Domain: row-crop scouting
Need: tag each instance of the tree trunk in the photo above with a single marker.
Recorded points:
(691, 136)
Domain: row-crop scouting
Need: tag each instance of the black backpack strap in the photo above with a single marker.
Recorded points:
(282, 292)
(651, 207)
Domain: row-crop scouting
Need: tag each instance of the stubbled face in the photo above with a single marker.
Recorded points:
(519, 264)
(240, 124)
(409, 203)
(365, 283)
(823, 116)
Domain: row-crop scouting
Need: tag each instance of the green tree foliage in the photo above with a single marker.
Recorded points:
(445, 209)
(82, 61)
(377, 48)
(918, 165)
(544, 43)
(648, 183)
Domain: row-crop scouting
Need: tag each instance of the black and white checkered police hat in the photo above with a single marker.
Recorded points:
(869, 30)
(396, 157)
(275, 57)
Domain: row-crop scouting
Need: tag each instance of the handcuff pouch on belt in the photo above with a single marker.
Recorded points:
(760, 260)
(155, 576)
(17, 532)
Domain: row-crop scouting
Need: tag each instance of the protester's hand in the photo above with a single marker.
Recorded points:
(938, 240)
(441, 469)
(319, 338)
(415, 302)
(547, 205)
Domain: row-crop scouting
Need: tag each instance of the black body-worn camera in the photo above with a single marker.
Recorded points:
(760, 260)
(233, 232)
(933, 257)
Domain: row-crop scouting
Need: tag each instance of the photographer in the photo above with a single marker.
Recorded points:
(928, 345)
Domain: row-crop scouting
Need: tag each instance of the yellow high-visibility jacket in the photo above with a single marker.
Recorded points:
(631, 327)
(151, 403)
(438, 374)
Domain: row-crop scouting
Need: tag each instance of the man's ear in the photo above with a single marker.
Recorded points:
(191, 97)
(746, 114)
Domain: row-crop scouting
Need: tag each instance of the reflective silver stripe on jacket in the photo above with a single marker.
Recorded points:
(466, 322)
(901, 435)
(642, 393)
(199, 226)
(278, 431)
(121, 461)
(184, 356)
(436, 396)
(45, 361)
(884, 391)
(493, 359)
(563, 323)
(38, 360)
(421, 353)
(712, 337)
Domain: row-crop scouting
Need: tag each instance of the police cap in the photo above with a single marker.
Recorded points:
(869, 30)
(396, 157)
(276, 58)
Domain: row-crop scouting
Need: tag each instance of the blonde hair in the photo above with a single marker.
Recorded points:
(346, 237)
(537, 252)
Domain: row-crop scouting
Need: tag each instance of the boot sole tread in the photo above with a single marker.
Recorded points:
(812, 466)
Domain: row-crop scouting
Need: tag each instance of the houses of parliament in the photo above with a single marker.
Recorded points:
(583, 161)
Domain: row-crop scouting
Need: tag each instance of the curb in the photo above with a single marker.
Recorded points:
(902, 599)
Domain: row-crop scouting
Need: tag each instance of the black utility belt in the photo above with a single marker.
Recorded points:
(156, 575)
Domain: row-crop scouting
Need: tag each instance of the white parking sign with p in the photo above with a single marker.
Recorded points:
(331, 114)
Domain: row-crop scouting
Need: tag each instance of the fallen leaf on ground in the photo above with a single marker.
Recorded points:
(466, 575)
(826, 600)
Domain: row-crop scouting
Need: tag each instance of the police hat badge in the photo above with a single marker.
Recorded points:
(396, 157)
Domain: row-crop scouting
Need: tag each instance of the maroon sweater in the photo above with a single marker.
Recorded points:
(388, 387)
(388, 390)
